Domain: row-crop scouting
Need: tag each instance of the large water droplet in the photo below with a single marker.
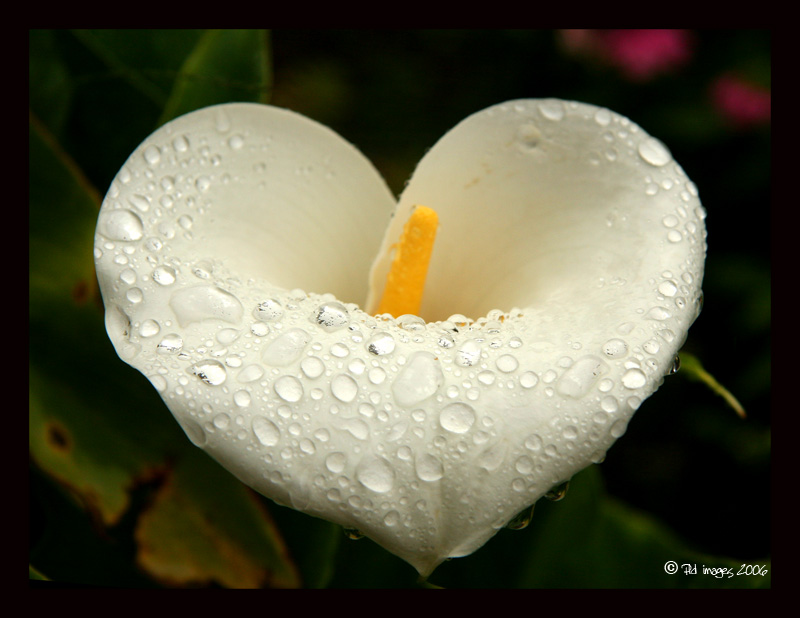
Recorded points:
(429, 468)
(634, 378)
(344, 388)
(521, 520)
(202, 302)
(380, 344)
(558, 492)
(457, 417)
(121, 225)
(268, 310)
(654, 152)
(335, 462)
(289, 388)
(266, 431)
(420, 378)
(210, 371)
(164, 275)
(581, 376)
(469, 353)
(331, 316)
(170, 344)
(615, 348)
(287, 348)
(552, 110)
(376, 474)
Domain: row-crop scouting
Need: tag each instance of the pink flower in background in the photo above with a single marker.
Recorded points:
(740, 102)
(639, 54)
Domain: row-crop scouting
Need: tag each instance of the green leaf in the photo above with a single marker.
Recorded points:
(202, 528)
(225, 66)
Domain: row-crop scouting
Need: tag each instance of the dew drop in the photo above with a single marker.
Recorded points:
(524, 465)
(344, 388)
(164, 275)
(149, 328)
(268, 310)
(429, 468)
(287, 348)
(266, 431)
(331, 316)
(202, 302)
(528, 379)
(558, 492)
(170, 344)
(419, 379)
(634, 378)
(602, 117)
(581, 376)
(618, 428)
(335, 462)
(312, 367)
(210, 371)
(251, 373)
(241, 399)
(381, 344)
(468, 354)
(521, 520)
(457, 417)
(353, 533)
(392, 518)
(615, 348)
(507, 363)
(289, 389)
(534, 442)
(152, 155)
(122, 225)
(654, 152)
(552, 110)
(376, 474)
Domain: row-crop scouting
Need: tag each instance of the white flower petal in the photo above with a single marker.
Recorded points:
(568, 232)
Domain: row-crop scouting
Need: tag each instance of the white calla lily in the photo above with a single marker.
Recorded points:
(234, 250)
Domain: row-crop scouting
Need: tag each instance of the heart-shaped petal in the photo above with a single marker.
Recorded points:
(569, 233)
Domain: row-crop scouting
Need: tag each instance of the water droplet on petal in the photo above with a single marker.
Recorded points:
(558, 492)
(210, 371)
(654, 152)
(634, 378)
(457, 417)
(376, 474)
(581, 376)
(289, 389)
(164, 275)
(121, 225)
(335, 462)
(268, 310)
(429, 468)
(521, 520)
(287, 348)
(381, 344)
(344, 388)
(170, 344)
(202, 302)
(331, 316)
(266, 431)
(419, 379)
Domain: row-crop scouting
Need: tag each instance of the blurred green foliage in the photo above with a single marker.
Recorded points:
(119, 497)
